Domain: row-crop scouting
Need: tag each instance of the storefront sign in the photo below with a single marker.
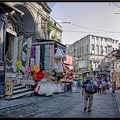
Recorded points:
(9, 88)
(83, 64)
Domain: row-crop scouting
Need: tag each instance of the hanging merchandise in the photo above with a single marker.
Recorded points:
(37, 56)
(42, 54)
(60, 67)
(28, 51)
(20, 46)
(58, 54)
(29, 70)
(51, 56)
(39, 76)
(32, 62)
(64, 55)
(36, 68)
(24, 54)
(47, 57)
(32, 52)
(55, 65)
(15, 52)
(19, 64)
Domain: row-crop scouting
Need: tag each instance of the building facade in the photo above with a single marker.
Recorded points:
(90, 50)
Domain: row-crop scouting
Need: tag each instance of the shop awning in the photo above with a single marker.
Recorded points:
(6, 7)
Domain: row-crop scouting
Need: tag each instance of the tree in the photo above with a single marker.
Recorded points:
(49, 27)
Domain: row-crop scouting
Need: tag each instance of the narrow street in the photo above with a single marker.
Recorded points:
(64, 105)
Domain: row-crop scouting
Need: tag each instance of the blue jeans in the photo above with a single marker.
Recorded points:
(78, 89)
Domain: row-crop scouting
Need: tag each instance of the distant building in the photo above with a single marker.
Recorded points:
(88, 52)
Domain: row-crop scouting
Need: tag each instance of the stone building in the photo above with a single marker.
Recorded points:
(90, 50)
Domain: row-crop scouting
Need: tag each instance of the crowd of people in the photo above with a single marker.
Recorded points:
(102, 85)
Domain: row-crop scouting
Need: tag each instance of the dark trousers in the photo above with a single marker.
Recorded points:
(99, 90)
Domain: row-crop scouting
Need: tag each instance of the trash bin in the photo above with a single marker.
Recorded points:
(2, 78)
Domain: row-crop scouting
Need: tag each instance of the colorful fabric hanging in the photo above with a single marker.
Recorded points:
(37, 56)
(51, 56)
(47, 57)
(32, 62)
(42, 53)
(39, 76)
(32, 52)
(29, 70)
(36, 68)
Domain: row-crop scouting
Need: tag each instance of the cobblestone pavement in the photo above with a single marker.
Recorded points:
(64, 105)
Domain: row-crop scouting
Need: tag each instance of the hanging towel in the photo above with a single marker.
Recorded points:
(47, 57)
(42, 53)
(37, 56)
(51, 56)
(32, 53)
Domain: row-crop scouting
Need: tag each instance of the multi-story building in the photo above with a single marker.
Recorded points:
(56, 33)
(90, 50)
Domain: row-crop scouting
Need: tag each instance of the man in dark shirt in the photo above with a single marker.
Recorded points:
(87, 95)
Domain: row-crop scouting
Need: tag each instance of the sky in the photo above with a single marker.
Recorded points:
(95, 18)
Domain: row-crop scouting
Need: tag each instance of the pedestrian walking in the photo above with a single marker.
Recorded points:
(78, 86)
(99, 88)
(88, 90)
(103, 87)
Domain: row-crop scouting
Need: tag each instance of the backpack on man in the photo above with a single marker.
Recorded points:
(91, 87)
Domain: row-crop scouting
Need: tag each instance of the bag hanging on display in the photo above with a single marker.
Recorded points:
(29, 70)
(36, 68)
(58, 54)
(60, 67)
(39, 75)
(55, 65)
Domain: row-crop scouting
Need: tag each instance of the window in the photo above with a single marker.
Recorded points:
(92, 37)
(105, 39)
(97, 49)
(106, 50)
(97, 38)
(109, 49)
(87, 48)
(93, 47)
(101, 50)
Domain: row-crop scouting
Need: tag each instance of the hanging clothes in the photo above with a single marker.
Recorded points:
(47, 57)
(32, 53)
(52, 56)
(37, 55)
(42, 53)
(15, 53)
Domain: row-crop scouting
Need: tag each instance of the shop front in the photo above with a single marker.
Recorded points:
(116, 76)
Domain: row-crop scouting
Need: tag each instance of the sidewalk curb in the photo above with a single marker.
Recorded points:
(118, 103)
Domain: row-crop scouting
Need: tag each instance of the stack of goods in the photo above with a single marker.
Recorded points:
(47, 87)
